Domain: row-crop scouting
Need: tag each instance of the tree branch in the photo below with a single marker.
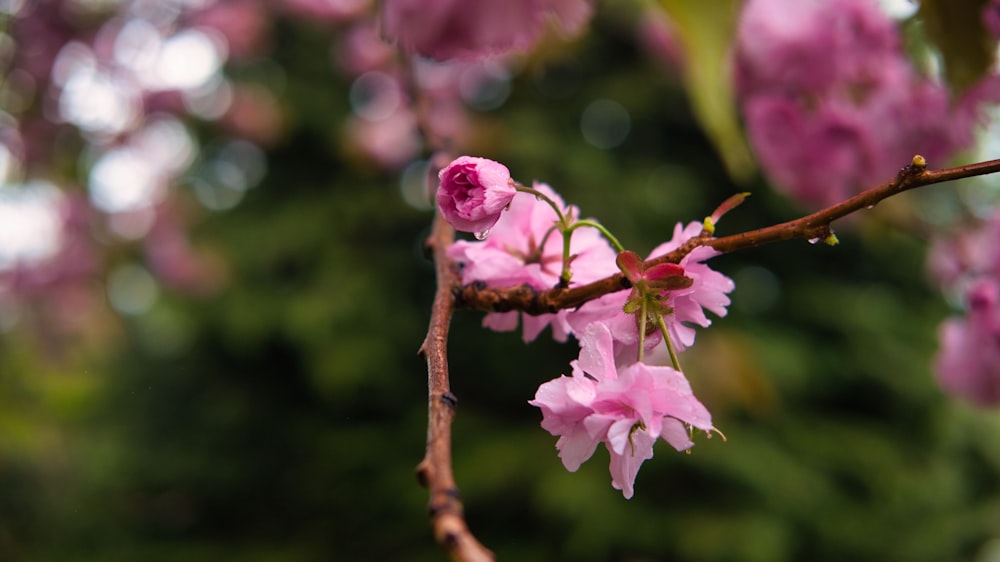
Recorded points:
(478, 296)
(434, 471)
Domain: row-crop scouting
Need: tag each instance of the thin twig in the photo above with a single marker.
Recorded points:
(434, 471)
(814, 226)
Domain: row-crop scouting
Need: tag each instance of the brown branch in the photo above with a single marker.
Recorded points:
(434, 471)
(817, 225)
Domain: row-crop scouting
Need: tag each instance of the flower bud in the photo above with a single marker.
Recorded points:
(473, 192)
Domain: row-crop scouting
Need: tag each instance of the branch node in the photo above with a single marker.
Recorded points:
(423, 473)
(450, 540)
(449, 399)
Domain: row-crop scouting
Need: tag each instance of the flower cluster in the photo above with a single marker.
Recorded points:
(823, 126)
(626, 406)
(967, 265)
(470, 29)
(527, 236)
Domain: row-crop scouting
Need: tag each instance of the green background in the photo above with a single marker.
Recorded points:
(282, 418)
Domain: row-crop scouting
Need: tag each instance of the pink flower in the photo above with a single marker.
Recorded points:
(390, 143)
(957, 261)
(470, 29)
(814, 47)
(329, 11)
(625, 407)
(828, 97)
(526, 248)
(968, 363)
(244, 23)
(446, 29)
(991, 17)
(473, 193)
(708, 291)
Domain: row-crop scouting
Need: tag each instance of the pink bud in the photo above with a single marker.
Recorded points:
(473, 192)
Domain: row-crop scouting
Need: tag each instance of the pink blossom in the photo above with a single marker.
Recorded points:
(470, 29)
(361, 49)
(991, 17)
(626, 407)
(446, 29)
(254, 114)
(658, 35)
(474, 192)
(968, 363)
(244, 23)
(814, 46)
(958, 260)
(391, 142)
(526, 248)
(708, 291)
(829, 98)
(330, 11)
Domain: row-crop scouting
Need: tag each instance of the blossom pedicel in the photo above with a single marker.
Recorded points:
(473, 193)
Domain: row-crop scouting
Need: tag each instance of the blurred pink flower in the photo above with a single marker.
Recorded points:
(831, 103)
(391, 142)
(626, 407)
(814, 46)
(173, 260)
(245, 24)
(526, 248)
(361, 49)
(956, 261)
(329, 11)
(658, 36)
(255, 114)
(470, 29)
(991, 17)
(59, 295)
(968, 363)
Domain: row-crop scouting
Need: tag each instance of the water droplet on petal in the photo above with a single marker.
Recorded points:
(482, 235)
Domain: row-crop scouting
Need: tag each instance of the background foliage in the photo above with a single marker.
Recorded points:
(282, 417)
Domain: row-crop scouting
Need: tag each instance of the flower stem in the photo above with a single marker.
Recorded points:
(604, 231)
(670, 344)
(564, 227)
(641, 326)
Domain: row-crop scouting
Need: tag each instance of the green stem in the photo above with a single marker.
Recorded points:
(670, 344)
(545, 238)
(566, 229)
(611, 238)
(641, 326)
(566, 273)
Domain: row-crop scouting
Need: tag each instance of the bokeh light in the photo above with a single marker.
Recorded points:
(30, 223)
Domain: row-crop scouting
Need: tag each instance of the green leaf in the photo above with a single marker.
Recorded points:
(956, 28)
(705, 30)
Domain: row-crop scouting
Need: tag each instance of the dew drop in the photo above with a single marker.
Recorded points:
(482, 235)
